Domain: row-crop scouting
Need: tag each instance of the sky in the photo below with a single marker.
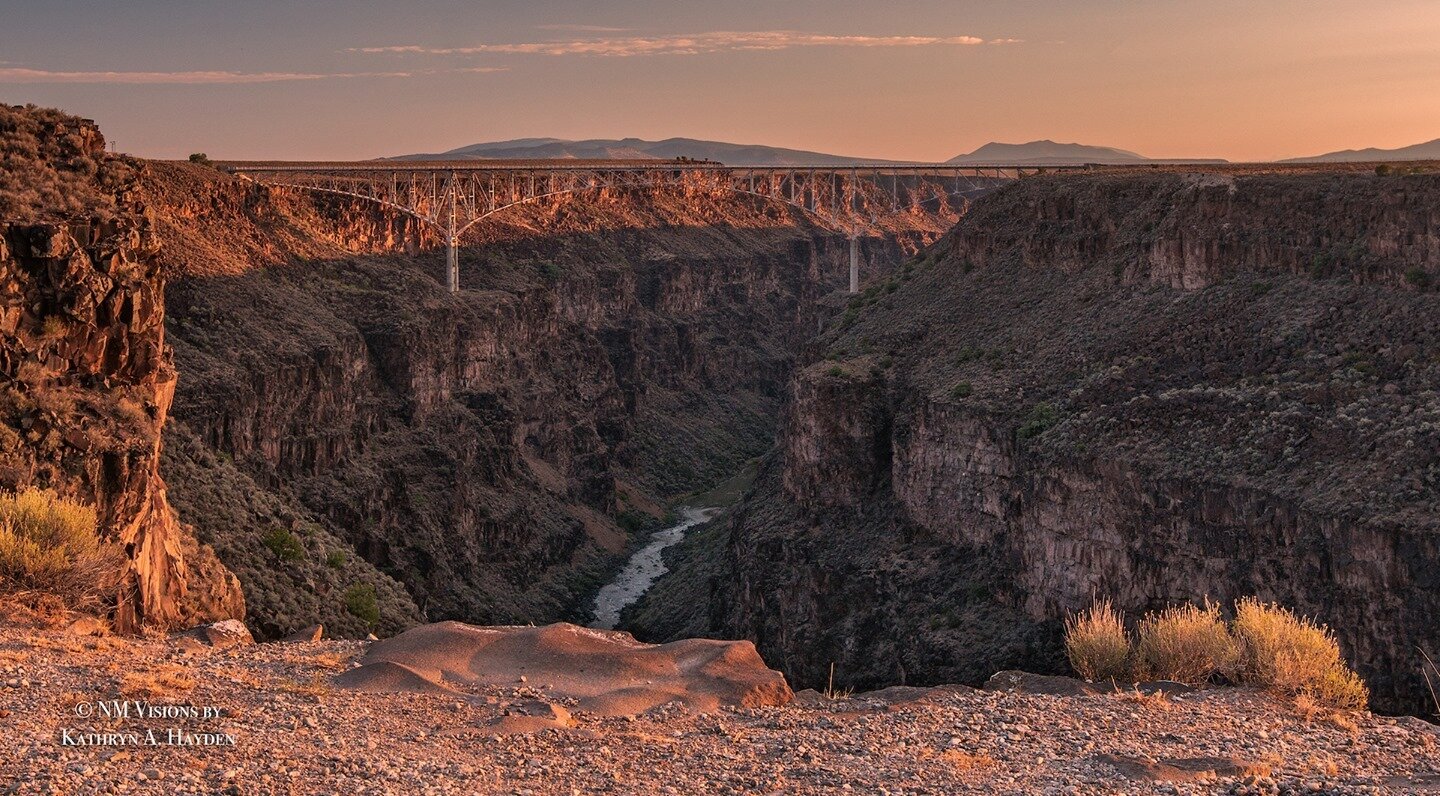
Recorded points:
(906, 79)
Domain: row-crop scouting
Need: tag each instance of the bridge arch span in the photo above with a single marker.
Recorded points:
(453, 197)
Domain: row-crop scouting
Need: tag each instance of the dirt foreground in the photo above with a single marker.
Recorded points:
(267, 719)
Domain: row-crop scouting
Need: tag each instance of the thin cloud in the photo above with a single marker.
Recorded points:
(691, 44)
(584, 28)
(196, 78)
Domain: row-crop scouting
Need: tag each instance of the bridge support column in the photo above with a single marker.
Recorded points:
(452, 263)
(854, 263)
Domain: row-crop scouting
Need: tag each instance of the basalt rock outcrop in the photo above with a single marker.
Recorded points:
(88, 378)
(490, 450)
(1156, 388)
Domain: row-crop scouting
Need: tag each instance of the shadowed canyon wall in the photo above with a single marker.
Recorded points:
(1152, 387)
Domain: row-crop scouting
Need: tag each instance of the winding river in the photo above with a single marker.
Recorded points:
(643, 568)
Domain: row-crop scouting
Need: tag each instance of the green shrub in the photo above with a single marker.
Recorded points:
(835, 371)
(962, 390)
(51, 544)
(361, 603)
(1418, 277)
(1042, 416)
(200, 159)
(1185, 644)
(336, 559)
(634, 521)
(285, 545)
(1096, 643)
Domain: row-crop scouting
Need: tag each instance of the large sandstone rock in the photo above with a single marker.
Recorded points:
(608, 672)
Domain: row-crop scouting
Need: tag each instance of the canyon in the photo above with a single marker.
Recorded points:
(1149, 386)
(1146, 384)
(487, 456)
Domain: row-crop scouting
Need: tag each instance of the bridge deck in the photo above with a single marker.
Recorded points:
(622, 165)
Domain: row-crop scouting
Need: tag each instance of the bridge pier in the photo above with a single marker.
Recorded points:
(854, 263)
(452, 263)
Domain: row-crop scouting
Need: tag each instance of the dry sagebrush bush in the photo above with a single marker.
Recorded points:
(51, 545)
(1184, 643)
(1293, 655)
(1096, 643)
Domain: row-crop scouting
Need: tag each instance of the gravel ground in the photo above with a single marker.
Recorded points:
(290, 732)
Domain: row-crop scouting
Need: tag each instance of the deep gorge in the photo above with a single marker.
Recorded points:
(489, 451)
(1153, 387)
(1148, 385)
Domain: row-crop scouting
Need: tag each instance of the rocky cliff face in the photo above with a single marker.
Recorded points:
(88, 379)
(487, 450)
(1156, 388)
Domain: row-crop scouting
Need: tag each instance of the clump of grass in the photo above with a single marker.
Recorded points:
(831, 692)
(962, 390)
(50, 544)
(1186, 644)
(1432, 680)
(54, 327)
(1293, 655)
(336, 559)
(158, 682)
(1096, 642)
(962, 760)
(1266, 646)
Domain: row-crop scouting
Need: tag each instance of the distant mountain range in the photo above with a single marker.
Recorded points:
(635, 148)
(1429, 150)
(1034, 153)
(1046, 152)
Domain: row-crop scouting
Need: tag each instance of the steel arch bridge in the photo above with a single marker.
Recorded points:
(453, 197)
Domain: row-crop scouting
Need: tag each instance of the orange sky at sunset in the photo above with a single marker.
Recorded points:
(909, 80)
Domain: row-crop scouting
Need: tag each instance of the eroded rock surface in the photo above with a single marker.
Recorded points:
(604, 672)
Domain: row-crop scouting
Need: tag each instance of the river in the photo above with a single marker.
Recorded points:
(643, 568)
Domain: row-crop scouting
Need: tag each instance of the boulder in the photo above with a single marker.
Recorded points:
(88, 626)
(220, 635)
(312, 633)
(1027, 683)
(607, 672)
(1184, 769)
